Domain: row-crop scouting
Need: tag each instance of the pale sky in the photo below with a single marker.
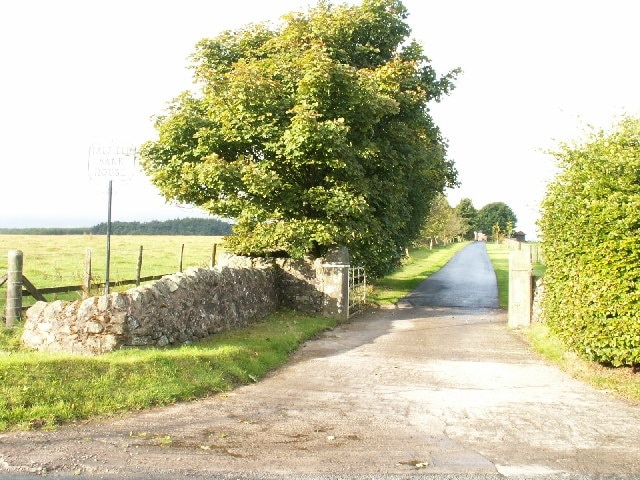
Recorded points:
(81, 72)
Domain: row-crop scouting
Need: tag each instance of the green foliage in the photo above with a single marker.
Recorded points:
(43, 390)
(495, 217)
(590, 224)
(468, 213)
(313, 134)
(443, 224)
(178, 226)
(44, 231)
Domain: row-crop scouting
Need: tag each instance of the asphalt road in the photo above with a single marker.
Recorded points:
(467, 281)
(420, 391)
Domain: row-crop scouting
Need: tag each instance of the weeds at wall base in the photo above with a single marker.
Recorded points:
(10, 338)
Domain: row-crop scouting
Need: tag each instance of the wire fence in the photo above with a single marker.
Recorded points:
(56, 262)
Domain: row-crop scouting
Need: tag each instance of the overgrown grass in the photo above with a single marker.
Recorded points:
(499, 255)
(40, 390)
(421, 263)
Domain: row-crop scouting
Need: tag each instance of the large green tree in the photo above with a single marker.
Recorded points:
(310, 134)
(590, 227)
(495, 214)
(443, 223)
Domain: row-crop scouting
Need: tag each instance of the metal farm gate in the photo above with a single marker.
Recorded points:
(357, 289)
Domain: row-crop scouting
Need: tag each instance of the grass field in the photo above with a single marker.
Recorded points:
(58, 260)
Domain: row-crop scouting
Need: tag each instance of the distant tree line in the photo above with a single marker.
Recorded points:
(178, 226)
(44, 231)
(446, 224)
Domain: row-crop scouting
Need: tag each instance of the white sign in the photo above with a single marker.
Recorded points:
(112, 162)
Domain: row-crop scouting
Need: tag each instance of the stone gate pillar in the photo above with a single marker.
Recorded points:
(520, 288)
(335, 281)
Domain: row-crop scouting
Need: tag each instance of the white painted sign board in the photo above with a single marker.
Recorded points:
(112, 162)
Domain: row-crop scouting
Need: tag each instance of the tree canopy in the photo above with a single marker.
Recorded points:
(496, 213)
(443, 224)
(589, 224)
(468, 213)
(312, 133)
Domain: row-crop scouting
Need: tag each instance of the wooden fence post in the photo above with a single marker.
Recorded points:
(87, 273)
(213, 255)
(14, 287)
(181, 255)
(139, 268)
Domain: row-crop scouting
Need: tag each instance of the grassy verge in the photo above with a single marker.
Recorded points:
(422, 263)
(620, 381)
(499, 255)
(43, 390)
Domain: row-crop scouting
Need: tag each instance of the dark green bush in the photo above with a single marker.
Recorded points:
(591, 238)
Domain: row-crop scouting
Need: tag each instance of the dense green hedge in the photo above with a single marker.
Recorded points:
(591, 238)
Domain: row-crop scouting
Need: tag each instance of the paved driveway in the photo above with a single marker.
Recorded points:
(417, 391)
(468, 280)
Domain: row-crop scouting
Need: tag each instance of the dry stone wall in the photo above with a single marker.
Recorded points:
(538, 293)
(185, 307)
(176, 309)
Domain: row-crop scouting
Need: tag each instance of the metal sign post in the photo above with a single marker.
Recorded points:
(106, 273)
(111, 162)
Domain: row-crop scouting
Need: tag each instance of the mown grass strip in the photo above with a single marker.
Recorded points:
(40, 390)
(499, 255)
